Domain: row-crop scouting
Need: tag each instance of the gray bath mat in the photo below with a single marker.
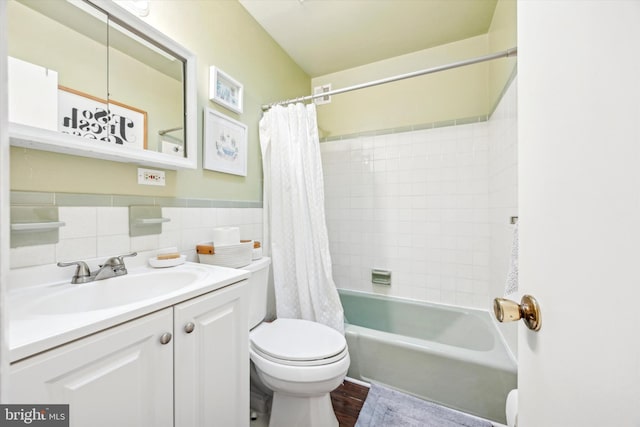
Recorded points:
(384, 407)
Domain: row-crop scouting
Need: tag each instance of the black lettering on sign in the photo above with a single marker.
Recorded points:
(99, 124)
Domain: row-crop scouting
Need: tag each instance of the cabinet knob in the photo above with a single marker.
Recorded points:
(189, 327)
(165, 338)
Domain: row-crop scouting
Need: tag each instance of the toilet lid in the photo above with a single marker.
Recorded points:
(297, 340)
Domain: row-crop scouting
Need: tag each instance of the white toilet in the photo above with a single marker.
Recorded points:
(301, 361)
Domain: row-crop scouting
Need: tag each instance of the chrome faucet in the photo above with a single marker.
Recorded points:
(112, 267)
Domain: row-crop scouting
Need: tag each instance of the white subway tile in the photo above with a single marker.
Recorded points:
(171, 239)
(464, 299)
(79, 222)
(145, 243)
(76, 249)
(433, 295)
(481, 272)
(191, 218)
(448, 297)
(175, 217)
(112, 221)
(27, 256)
(209, 217)
(113, 245)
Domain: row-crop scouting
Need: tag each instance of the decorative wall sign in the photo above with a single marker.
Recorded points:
(225, 90)
(225, 144)
(93, 118)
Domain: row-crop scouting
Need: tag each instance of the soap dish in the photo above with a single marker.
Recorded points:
(162, 263)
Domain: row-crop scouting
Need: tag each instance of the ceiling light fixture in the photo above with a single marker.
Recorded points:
(137, 7)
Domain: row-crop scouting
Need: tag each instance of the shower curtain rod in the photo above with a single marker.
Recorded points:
(503, 54)
(162, 132)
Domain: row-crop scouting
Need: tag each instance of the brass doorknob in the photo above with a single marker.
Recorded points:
(528, 310)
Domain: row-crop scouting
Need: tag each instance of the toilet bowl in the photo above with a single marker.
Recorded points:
(299, 360)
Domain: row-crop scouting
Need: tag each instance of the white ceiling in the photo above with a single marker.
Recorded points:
(324, 36)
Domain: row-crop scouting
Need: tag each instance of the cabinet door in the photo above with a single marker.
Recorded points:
(212, 361)
(120, 377)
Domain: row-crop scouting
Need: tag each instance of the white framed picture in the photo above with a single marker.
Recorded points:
(225, 90)
(225, 144)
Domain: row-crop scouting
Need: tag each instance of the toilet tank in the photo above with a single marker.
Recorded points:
(258, 285)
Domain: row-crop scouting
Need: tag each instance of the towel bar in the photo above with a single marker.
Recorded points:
(37, 226)
(149, 221)
(145, 220)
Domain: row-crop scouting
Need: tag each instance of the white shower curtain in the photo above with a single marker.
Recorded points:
(295, 231)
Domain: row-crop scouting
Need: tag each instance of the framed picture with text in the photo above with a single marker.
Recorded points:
(94, 118)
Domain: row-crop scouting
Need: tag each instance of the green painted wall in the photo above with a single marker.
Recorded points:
(436, 97)
(454, 94)
(220, 33)
(502, 35)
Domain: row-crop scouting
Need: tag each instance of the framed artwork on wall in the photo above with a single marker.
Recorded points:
(224, 144)
(94, 118)
(225, 90)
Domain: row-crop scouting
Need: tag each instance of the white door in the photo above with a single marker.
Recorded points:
(579, 162)
(4, 201)
(120, 377)
(212, 359)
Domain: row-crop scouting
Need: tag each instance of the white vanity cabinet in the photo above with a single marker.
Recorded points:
(129, 375)
(120, 377)
(212, 361)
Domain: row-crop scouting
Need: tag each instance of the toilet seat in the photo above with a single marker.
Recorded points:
(318, 362)
(296, 342)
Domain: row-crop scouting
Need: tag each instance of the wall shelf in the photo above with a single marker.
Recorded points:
(145, 220)
(37, 226)
(34, 225)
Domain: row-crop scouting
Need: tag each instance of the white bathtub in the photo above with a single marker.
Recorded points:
(449, 355)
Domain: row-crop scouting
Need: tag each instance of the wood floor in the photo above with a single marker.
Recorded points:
(347, 402)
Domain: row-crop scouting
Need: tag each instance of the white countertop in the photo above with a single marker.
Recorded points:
(31, 332)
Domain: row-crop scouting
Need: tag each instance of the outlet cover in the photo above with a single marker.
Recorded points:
(150, 177)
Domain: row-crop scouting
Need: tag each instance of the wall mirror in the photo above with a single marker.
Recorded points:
(88, 78)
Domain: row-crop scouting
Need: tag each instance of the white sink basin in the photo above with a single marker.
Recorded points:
(113, 292)
(44, 316)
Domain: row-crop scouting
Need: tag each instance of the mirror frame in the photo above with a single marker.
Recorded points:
(48, 140)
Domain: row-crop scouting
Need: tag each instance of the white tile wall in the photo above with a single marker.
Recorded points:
(424, 204)
(415, 203)
(503, 185)
(503, 195)
(92, 232)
